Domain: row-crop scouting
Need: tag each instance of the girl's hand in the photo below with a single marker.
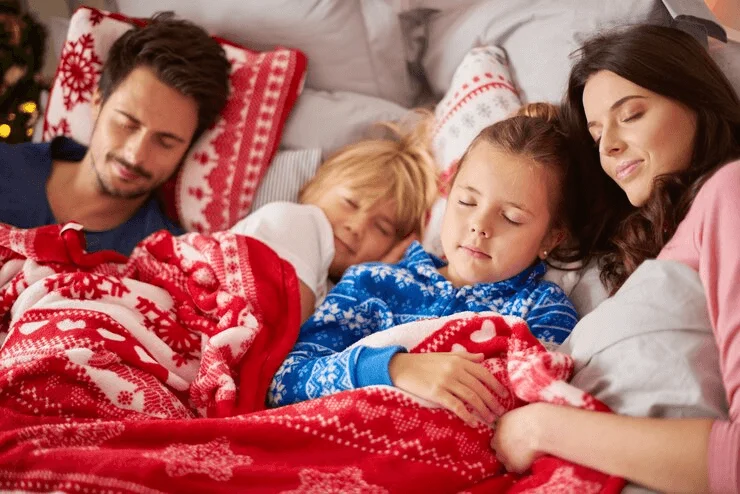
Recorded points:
(398, 250)
(455, 381)
(516, 438)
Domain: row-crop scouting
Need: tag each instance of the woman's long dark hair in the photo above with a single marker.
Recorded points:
(673, 64)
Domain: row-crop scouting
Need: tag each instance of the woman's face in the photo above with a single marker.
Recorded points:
(640, 134)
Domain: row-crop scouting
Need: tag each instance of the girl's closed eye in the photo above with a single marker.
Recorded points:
(466, 202)
(513, 219)
(351, 203)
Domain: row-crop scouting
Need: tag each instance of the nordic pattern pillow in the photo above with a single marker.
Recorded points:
(481, 93)
(290, 170)
(216, 183)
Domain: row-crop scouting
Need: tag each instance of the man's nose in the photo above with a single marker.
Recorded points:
(136, 149)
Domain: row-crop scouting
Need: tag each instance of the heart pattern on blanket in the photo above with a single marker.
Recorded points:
(69, 325)
(486, 332)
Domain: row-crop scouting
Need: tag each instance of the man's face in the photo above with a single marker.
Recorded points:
(141, 135)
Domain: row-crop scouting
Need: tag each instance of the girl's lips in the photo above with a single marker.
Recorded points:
(627, 168)
(473, 252)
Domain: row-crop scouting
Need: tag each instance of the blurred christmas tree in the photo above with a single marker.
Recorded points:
(22, 46)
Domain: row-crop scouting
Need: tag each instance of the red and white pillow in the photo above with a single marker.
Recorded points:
(216, 184)
(481, 93)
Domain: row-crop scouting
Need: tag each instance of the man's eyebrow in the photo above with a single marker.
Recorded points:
(617, 104)
(162, 134)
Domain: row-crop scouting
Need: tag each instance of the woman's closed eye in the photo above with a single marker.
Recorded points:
(632, 117)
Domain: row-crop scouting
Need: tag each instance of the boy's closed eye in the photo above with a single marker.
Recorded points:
(385, 230)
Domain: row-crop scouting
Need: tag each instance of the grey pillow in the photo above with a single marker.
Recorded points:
(649, 350)
(288, 172)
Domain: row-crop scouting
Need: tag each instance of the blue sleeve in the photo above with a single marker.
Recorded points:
(552, 316)
(323, 361)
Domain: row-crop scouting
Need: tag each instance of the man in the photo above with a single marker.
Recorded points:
(161, 87)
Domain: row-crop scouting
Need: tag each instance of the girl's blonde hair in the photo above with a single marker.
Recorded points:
(400, 169)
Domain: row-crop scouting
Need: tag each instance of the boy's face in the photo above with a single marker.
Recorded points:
(141, 135)
(497, 220)
(362, 232)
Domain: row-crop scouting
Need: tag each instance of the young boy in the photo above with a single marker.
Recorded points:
(368, 202)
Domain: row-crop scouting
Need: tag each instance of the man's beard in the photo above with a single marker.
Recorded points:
(109, 190)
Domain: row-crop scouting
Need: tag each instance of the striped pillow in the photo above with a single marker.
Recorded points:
(288, 172)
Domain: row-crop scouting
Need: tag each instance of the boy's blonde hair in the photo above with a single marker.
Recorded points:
(401, 169)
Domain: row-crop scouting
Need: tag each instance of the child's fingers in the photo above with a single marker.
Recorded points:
(474, 357)
(472, 391)
(457, 406)
(485, 376)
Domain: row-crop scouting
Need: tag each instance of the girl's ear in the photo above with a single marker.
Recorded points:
(554, 237)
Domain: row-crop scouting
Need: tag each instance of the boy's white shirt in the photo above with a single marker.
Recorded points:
(299, 233)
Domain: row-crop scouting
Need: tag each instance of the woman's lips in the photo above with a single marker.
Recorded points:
(627, 168)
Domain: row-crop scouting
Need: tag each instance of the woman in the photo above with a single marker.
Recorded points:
(666, 127)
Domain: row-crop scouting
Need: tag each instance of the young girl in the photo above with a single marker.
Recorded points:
(366, 203)
(505, 215)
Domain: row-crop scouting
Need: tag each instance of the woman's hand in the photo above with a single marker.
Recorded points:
(453, 380)
(398, 250)
(516, 439)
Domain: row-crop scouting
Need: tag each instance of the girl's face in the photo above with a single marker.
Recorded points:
(498, 217)
(640, 134)
(362, 232)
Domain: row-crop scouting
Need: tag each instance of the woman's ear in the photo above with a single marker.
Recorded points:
(555, 237)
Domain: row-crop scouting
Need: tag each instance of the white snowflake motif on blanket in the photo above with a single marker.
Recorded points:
(214, 459)
(47, 438)
(347, 481)
(565, 481)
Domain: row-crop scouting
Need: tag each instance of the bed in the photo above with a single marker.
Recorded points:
(340, 66)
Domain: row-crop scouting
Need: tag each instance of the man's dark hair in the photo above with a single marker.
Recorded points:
(181, 54)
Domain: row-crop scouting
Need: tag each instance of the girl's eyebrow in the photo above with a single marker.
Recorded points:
(472, 189)
(617, 104)
(520, 207)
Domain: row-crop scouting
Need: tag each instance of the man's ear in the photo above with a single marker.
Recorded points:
(555, 237)
(96, 102)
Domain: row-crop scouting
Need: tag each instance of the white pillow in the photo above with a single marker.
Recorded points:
(288, 172)
(352, 45)
(331, 120)
(538, 36)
